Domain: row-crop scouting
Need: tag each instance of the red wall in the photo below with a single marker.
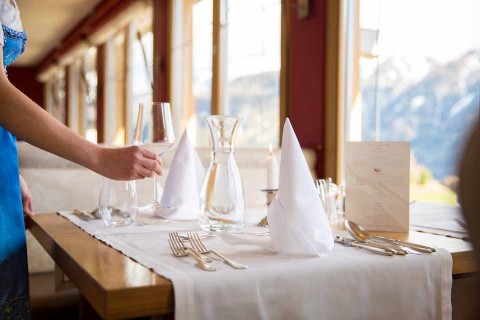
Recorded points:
(307, 77)
(24, 78)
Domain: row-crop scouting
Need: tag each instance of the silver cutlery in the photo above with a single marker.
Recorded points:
(392, 248)
(363, 234)
(179, 250)
(82, 216)
(353, 243)
(87, 215)
(198, 245)
(399, 251)
(178, 239)
(321, 187)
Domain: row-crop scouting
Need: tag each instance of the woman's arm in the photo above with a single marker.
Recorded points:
(29, 122)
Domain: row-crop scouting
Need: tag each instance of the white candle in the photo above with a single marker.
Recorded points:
(272, 169)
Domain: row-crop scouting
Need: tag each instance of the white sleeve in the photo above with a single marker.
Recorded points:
(1, 34)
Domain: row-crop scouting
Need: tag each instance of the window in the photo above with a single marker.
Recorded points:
(141, 68)
(59, 95)
(117, 61)
(252, 69)
(73, 95)
(202, 25)
(413, 77)
(48, 94)
(191, 79)
(89, 85)
(224, 58)
(115, 88)
(237, 42)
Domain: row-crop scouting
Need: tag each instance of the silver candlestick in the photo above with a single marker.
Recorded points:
(271, 193)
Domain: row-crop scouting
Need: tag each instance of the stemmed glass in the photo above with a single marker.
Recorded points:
(154, 131)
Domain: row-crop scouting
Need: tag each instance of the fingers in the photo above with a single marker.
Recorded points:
(152, 161)
(144, 172)
(29, 212)
(152, 165)
(27, 208)
(148, 154)
(131, 163)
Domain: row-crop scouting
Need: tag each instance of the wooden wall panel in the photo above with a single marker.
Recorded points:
(161, 50)
(306, 77)
(24, 79)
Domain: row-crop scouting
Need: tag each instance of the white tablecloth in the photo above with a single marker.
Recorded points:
(347, 283)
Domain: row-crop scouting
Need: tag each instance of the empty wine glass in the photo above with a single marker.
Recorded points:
(118, 202)
(154, 131)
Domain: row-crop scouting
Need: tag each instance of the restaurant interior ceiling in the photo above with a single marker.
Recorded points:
(47, 22)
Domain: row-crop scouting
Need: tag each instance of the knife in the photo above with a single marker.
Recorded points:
(414, 246)
(386, 246)
(400, 250)
(352, 243)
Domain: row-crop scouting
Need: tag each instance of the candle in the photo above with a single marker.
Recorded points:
(272, 169)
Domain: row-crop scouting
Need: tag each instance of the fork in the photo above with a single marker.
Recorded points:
(198, 245)
(178, 239)
(178, 251)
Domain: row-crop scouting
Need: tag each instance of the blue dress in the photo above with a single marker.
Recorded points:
(14, 298)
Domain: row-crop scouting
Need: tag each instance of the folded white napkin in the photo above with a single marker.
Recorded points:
(296, 217)
(184, 183)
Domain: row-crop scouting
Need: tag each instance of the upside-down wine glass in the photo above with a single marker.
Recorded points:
(154, 131)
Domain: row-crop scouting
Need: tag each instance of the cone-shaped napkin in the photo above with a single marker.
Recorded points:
(296, 217)
(184, 182)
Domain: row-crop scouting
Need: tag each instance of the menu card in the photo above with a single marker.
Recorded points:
(377, 185)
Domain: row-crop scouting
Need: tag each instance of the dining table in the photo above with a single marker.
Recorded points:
(114, 286)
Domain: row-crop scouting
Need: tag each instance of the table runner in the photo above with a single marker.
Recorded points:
(347, 283)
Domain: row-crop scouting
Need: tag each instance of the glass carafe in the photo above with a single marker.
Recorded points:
(222, 202)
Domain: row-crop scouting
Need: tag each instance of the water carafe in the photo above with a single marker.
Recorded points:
(222, 203)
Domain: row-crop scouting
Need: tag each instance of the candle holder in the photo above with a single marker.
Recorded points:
(271, 193)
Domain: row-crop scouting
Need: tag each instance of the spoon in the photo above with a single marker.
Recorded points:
(363, 234)
(390, 248)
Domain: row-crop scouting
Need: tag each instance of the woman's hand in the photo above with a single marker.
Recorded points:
(129, 163)
(26, 198)
(26, 120)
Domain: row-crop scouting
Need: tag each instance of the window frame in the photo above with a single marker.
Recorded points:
(334, 78)
(163, 90)
(218, 61)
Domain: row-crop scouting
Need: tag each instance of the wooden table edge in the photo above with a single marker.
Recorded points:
(99, 296)
(464, 265)
(463, 255)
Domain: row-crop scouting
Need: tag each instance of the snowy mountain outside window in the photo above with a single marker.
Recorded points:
(413, 74)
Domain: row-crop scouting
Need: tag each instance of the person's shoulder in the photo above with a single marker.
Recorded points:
(10, 15)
